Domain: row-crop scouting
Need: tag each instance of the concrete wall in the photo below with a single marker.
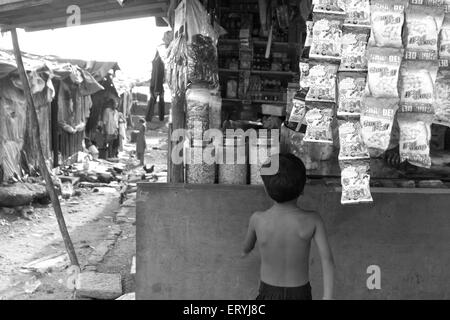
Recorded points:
(189, 239)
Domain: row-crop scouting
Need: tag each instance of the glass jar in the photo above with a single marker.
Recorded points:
(198, 170)
(234, 168)
(197, 111)
(232, 88)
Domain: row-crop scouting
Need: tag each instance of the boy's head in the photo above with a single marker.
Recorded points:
(288, 183)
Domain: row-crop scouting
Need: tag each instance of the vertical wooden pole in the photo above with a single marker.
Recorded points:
(178, 119)
(43, 167)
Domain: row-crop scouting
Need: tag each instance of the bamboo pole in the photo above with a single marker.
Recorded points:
(43, 167)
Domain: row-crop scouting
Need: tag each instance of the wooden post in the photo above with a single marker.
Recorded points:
(178, 117)
(175, 173)
(43, 167)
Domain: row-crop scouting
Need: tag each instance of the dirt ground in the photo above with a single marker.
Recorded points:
(91, 218)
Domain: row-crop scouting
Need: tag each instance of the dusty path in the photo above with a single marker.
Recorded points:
(91, 219)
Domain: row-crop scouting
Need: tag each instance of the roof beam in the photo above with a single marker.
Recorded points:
(21, 4)
(39, 14)
(93, 18)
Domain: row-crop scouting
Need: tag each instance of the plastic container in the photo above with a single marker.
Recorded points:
(198, 97)
(235, 162)
(198, 171)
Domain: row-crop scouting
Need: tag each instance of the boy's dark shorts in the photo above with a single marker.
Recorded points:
(269, 292)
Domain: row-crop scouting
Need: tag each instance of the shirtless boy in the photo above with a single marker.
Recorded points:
(284, 233)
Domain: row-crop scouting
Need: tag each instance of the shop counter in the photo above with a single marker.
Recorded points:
(189, 242)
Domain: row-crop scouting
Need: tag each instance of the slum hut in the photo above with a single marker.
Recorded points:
(62, 94)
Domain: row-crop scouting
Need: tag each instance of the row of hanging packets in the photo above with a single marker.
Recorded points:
(425, 39)
(348, 48)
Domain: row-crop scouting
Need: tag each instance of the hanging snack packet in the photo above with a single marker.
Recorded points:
(304, 74)
(423, 25)
(329, 6)
(442, 104)
(444, 39)
(387, 18)
(355, 181)
(353, 54)
(357, 12)
(327, 34)
(318, 122)
(383, 71)
(377, 118)
(309, 33)
(352, 145)
(351, 89)
(417, 79)
(298, 111)
(322, 82)
(415, 136)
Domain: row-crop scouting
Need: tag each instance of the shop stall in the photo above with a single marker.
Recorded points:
(358, 90)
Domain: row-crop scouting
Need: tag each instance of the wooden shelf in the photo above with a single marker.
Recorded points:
(255, 101)
(269, 102)
(258, 42)
(229, 70)
(279, 73)
(269, 72)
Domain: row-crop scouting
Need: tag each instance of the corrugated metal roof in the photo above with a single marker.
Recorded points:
(35, 15)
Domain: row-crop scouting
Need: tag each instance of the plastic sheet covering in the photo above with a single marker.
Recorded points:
(12, 127)
(13, 122)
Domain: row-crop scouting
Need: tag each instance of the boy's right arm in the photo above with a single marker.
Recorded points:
(320, 238)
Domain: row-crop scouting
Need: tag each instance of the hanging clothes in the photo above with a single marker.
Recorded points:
(71, 119)
(156, 88)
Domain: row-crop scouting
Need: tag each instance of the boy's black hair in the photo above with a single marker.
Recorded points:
(288, 183)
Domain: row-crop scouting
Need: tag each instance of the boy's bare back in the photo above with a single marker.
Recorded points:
(284, 240)
(284, 234)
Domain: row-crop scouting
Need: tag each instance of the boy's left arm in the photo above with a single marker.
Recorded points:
(250, 238)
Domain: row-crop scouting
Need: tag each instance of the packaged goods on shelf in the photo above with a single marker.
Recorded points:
(383, 72)
(423, 25)
(350, 92)
(352, 145)
(322, 82)
(354, 45)
(355, 180)
(377, 118)
(387, 18)
(442, 104)
(417, 82)
(327, 37)
(415, 136)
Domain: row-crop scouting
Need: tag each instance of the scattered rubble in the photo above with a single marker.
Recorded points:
(55, 262)
(32, 285)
